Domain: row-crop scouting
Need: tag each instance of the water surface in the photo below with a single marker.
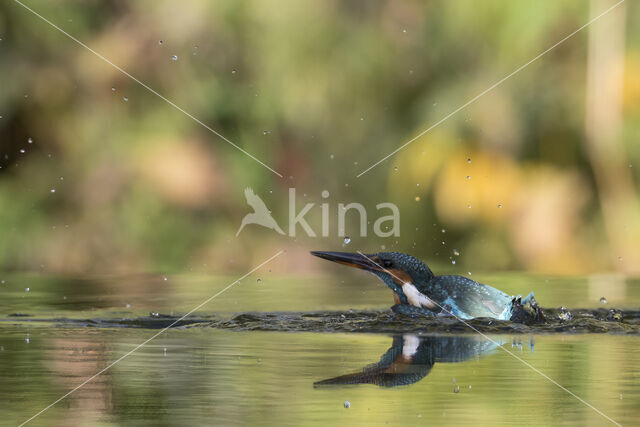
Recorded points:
(64, 330)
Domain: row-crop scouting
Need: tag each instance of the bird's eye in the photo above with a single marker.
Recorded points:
(387, 264)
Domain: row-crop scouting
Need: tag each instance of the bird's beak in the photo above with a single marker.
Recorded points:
(357, 260)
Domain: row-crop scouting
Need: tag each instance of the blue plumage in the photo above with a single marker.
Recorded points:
(418, 291)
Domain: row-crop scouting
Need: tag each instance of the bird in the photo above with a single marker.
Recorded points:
(261, 215)
(411, 358)
(417, 291)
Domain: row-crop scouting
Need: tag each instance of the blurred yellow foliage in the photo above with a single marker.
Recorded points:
(481, 191)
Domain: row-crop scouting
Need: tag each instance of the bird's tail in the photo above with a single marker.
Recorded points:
(526, 310)
(528, 298)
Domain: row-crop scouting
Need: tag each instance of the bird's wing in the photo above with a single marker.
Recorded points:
(254, 201)
(471, 297)
(454, 349)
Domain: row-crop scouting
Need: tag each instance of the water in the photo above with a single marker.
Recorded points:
(219, 369)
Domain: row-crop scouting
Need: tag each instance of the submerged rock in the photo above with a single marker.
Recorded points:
(614, 315)
(560, 320)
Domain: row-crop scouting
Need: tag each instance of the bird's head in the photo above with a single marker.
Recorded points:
(394, 268)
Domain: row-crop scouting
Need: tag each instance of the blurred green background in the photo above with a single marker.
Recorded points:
(540, 174)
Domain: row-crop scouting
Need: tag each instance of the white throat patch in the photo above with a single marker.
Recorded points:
(417, 298)
(410, 347)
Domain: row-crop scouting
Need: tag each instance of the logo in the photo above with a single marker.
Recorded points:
(261, 215)
(383, 226)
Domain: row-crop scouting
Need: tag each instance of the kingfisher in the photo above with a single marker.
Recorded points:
(416, 290)
(411, 358)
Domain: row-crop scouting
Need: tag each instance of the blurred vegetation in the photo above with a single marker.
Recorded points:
(319, 91)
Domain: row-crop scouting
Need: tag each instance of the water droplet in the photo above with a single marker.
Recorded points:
(453, 261)
(233, 71)
(603, 300)
(395, 168)
(27, 340)
(164, 351)
(565, 315)
(125, 99)
(325, 194)
(30, 140)
(53, 190)
(468, 176)
(174, 58)
(266, 132)
(258, 280)
(347, 404)
(619, 258)
(455, 252)
(383, 247)
(160, 41)
(165, 278)
(469, 160)
(347, 240)
(27, 289)
(417, 198)
(499, 206)
(404, 30)
(456, 389)
(331, 156)
(113, 88)
(443, 230)
(22, 150)
(128, 305)
(469, 273)
(468, 206)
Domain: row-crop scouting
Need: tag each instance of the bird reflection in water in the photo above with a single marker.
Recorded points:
(412, 357)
